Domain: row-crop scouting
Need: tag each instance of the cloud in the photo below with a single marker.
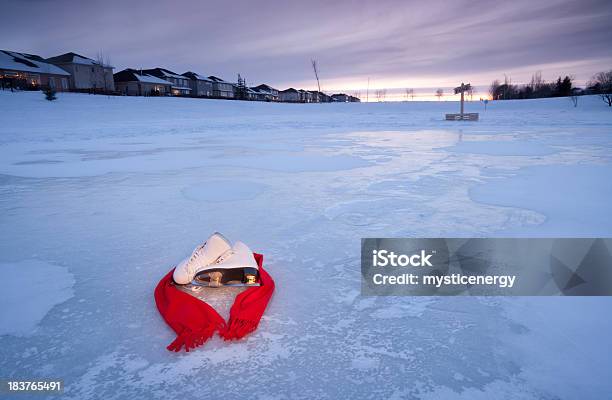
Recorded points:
(393, 42)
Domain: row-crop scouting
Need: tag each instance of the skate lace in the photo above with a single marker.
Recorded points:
(196, 253)
(227, 254)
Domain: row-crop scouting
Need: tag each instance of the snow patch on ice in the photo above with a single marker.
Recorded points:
(503, 148)
(411, 307)
(33, 288)
(558, 192)
(364, 363)
(499, 389)
(218, 191)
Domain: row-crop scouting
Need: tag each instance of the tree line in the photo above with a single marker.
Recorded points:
(600, 84)
(537, 88)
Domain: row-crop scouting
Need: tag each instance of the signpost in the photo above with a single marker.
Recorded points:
(462, 116)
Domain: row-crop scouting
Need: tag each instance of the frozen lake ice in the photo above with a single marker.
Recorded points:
(102, 196)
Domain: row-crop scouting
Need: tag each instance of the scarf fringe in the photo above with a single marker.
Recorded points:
(239, 328)
(191, 340)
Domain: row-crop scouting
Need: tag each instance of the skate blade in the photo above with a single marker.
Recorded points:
(207, 284)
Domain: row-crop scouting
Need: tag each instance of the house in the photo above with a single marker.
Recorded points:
(271, 94)
(314, 96)
(320, 97)
(290, 95)
(221, 88)
(180, 83)
(345, 98)
(305, 96)
(29, 71)
(131, 82)
(256, 94)
(200, 85)
(324, 98)
(85, 74)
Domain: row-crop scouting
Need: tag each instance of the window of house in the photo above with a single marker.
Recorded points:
(64, 84)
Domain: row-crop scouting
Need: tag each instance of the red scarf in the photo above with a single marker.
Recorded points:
(195, 322)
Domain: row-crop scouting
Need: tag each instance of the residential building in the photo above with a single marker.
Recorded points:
(221, 88)
(290, 95)
(85, 74)
(271, 94)
(324, 98)
(305, 96)
(131, 82)
(29, 71)
(344, 98)
(314, 96)
(180, 83)
(255, 94)
(200, 85)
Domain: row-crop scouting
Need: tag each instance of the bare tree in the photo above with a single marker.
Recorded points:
(316, 72)
(409, 94)
(104, 63)
(601, 84)
(439, 94)
(574, 96)
(536, 81)
(494, 88)
(471, 92)
(507, 83)
(381, 94)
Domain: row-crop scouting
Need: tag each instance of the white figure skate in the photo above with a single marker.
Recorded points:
(216, 263)
(236, 267)
(205, 254)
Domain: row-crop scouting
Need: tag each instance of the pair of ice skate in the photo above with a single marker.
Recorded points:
(217, 263)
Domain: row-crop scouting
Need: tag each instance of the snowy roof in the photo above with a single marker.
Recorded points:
(131, 75)
(11, 60)
(150, 79)
(172, 74)
(196, 76)
(163, 72)
(216, 79)
(265, 87)
(259, 90)
(73, 58)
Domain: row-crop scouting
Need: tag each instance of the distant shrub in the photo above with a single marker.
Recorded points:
(50, 94)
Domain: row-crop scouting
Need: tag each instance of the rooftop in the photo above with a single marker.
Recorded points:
(11, 60)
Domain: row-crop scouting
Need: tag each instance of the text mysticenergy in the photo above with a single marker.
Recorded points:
(503, 281)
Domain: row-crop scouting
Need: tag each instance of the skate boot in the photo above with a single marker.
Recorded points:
(234, 268)
(208, 253)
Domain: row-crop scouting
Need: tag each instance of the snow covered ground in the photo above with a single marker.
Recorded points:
(100, 196)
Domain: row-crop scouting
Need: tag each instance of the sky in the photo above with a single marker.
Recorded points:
(392, 44)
